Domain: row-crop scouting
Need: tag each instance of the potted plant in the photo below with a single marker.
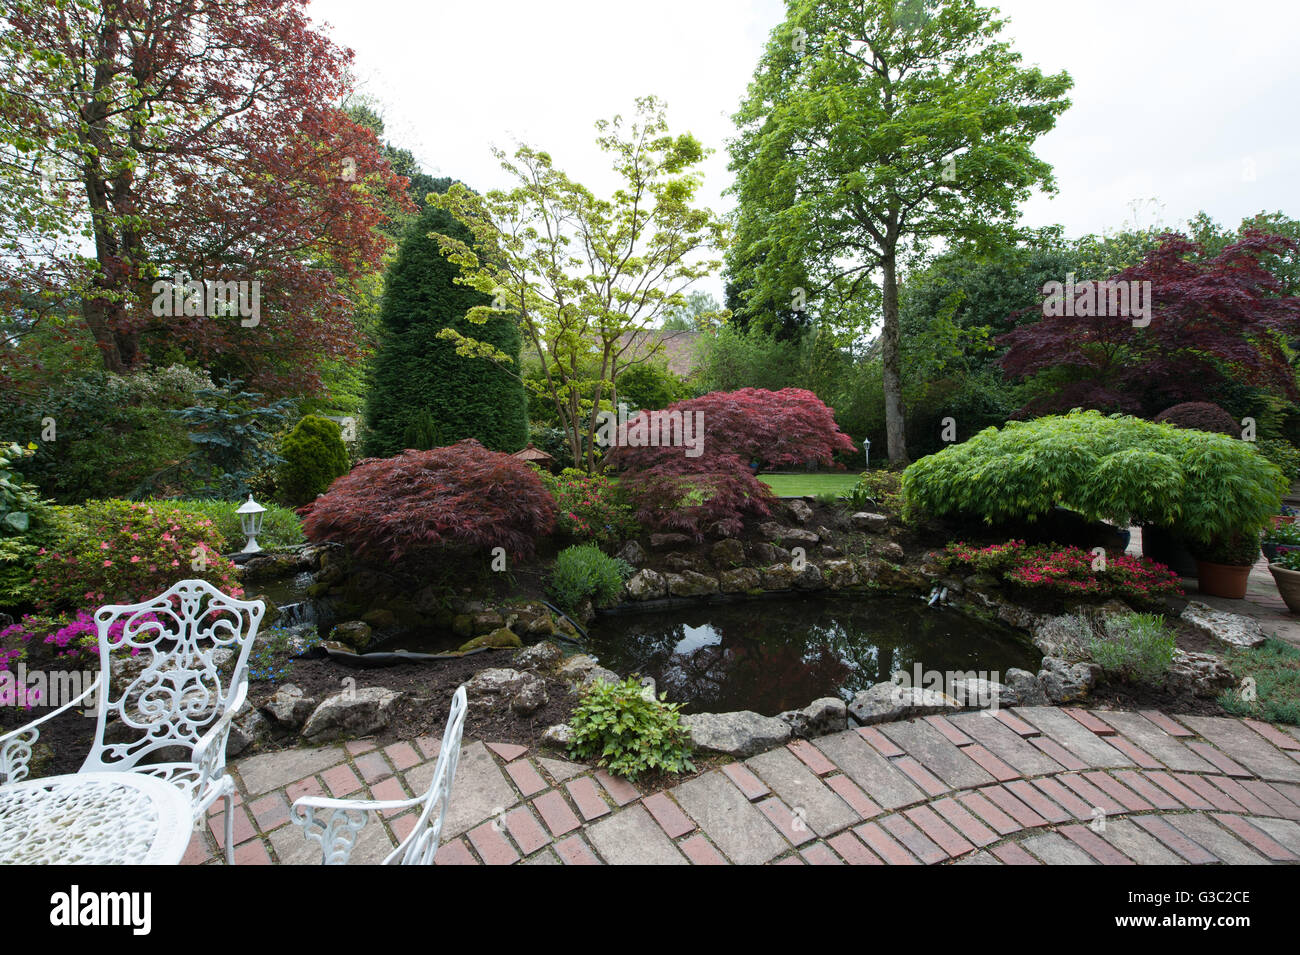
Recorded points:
(1287, 518)
(1223, 565)
(1280, 540)
(1286, 574)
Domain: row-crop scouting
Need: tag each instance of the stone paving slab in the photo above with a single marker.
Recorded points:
(1206, 791)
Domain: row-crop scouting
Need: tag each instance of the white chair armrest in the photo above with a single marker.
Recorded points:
(210, 751)
(335, 823)
(16, 745)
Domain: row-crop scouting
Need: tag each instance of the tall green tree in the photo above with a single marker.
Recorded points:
(422, 394)
(872, 128)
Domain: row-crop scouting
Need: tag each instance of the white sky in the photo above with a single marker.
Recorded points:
(1191, 103)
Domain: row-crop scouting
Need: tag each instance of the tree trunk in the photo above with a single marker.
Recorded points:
(895, 432)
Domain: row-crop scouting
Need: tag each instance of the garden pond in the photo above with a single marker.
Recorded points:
(781, 654)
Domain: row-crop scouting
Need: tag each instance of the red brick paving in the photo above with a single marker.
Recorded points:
(947, 826)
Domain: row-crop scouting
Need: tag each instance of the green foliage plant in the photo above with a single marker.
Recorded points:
(628, 732)
(313, 456)
(583, 571)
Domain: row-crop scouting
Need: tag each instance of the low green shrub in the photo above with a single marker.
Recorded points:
(583, 571)
(1136, 648)
(876, 489)
(1269, 682)
(313, 456)
(1116, 468)
(627, 733)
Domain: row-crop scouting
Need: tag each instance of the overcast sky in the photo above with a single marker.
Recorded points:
(1190, 103)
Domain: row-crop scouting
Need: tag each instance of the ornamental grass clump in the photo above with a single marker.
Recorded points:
(1136, 648)
(628, 731)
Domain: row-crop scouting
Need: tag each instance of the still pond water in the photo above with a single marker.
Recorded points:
(776, 655)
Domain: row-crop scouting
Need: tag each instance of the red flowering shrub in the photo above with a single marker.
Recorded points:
(1066, 570)
(123, 552)
(423, 505)
(589, 506)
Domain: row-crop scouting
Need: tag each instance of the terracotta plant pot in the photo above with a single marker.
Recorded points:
(1221, 580)
(1288, 586)
(1280, 519)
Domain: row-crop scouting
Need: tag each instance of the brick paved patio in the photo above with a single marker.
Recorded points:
(1032, 785)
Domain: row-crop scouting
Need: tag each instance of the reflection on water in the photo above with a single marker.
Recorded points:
(775, 655)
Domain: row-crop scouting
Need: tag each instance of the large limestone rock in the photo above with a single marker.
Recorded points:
(779, 577)
(1201, 674)
(810, 578)
(530, 698)
(1025, 687)
(775, 532)
(869, 522)
(979, 693)
(742, 733)
(799, 510)
(1061, 637)
(499, 687)
(540, 656)
(1230, 628)
(840, 574)
(739, 581)
(633, 553)
(352, 713)
(668, 541)
(289, 707)
(727, 553)
(691, 584)
(886, 702)
(1064, 682)
(646, 585)
(355, 634)
(819, 718)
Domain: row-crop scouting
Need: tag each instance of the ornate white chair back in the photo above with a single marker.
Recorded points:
(181, 689)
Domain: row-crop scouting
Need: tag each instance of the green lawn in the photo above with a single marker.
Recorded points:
(809, 485)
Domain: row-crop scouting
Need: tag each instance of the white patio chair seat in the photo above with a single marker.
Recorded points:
(336, 823)
(179, 699)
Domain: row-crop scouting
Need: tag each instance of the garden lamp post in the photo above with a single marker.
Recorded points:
(250, 516)
(866, 450)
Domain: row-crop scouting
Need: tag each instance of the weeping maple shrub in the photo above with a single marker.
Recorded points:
(786, 428)
(424, 505)
(709, 487)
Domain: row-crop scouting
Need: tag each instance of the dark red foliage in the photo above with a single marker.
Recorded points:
(1201, 416)
(787, 428)
(421, 505)
(714, 498)
(1212, 322)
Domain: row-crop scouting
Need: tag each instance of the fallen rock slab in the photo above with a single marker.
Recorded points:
(1231, 628)
(741, 733)
(886, 702)
(352, 713)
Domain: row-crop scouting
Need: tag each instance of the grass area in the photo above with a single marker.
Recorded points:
(1275, 668)
(810, 485)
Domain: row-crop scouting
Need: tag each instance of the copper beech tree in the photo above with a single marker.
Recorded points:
(146, 140)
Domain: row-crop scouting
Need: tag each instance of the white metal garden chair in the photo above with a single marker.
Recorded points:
(180, 703)
(340, 820)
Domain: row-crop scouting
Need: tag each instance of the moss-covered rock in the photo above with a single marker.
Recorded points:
(501, 637)
(354, 633)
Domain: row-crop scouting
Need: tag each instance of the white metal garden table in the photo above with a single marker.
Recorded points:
(94, 819)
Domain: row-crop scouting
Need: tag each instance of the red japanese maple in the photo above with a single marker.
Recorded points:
(791, 428)
(1215, 321)
(210, 145)
(424, 505)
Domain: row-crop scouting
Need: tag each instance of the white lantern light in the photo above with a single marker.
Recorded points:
(866, 450)
(250, 516)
